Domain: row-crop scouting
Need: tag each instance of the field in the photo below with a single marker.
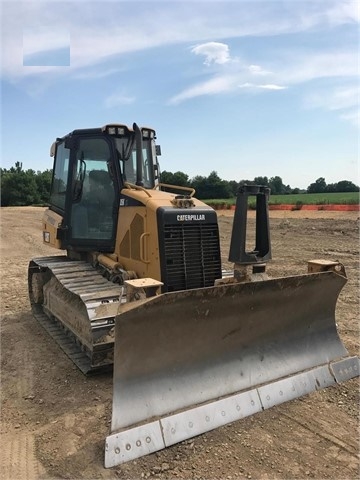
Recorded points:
(347, 198)
(316, 198)
(54, 420)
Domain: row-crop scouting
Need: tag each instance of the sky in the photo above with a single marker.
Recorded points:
(245, 88)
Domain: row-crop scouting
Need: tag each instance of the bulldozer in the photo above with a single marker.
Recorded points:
(141, 290)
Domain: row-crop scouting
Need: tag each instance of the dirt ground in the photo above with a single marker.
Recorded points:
(54, 420)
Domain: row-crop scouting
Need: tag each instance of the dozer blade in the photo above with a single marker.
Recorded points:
(190, 361)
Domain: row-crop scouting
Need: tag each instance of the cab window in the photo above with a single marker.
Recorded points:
(60, 177)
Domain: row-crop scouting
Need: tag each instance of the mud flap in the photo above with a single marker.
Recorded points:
(188, 362)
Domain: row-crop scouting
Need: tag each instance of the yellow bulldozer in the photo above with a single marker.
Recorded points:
(141, 291)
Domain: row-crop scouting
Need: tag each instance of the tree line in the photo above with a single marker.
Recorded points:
(26, 187)
(213, 187)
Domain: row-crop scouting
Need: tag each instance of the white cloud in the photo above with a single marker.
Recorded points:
(344, 100)
(303, 66)
(214, 52)
(334, 99)
(92, 73)
(272, 87)
(288, 69)
(257, 70)
(246, 85)
(118, 99)
(230, 79)
(219, 84)
(346, 11)
(103, 30)
(352, 116)
(262, 87)
(102, 33)
(44, 39)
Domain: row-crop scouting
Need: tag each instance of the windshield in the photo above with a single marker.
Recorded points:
(126, 149)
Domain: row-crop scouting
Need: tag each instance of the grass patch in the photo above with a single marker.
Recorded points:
(338, 198)
(221, 204)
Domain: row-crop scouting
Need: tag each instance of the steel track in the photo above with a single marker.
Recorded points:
(87, 284)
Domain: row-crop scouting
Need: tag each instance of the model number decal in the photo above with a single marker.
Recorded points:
(189, 218)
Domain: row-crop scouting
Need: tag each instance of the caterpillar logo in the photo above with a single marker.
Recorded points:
(189, 218)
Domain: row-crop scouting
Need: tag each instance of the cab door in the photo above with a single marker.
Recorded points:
(93, 210)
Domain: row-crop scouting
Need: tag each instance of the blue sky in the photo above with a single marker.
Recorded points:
(246, 88)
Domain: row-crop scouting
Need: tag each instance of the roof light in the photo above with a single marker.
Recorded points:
(111, 130)
(52, 150)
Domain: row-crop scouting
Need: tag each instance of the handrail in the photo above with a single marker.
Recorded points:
(166, 185)
(177, 187)
(136, 187)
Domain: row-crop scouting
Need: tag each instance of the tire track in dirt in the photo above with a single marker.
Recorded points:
(17, 458)
(319, 429)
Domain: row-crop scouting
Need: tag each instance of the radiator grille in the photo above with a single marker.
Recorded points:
(192, 256)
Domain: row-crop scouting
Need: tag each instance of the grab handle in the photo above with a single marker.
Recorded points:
(143, 247)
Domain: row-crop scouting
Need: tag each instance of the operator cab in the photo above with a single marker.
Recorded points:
(91, 166)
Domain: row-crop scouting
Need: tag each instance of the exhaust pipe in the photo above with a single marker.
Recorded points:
(139, 155)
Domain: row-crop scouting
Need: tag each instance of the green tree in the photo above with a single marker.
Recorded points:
(177, 178)
(331, 187)
(346, 186)
(17, 168)
(263, 181)
(211, 187)
(200, 185)
(43, 183)
(18, 187)
(319, 186)
(234, 186)
(246, 182)
(277, 186)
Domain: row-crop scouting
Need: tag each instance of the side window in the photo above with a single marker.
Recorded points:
(130, 167)
(60, 177)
